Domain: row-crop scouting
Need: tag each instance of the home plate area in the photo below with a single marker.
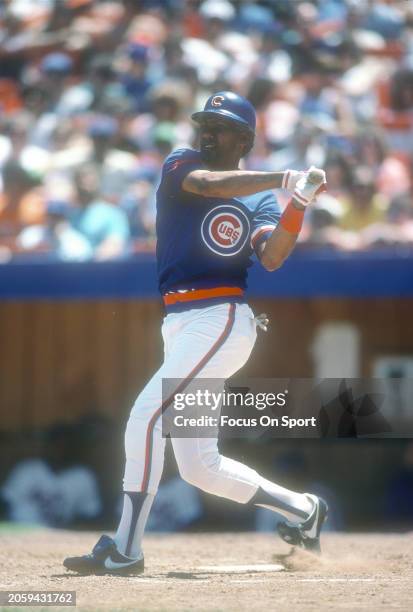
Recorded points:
(220, 571)
(240, 569)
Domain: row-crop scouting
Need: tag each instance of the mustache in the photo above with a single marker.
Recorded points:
(208, 141)
(209, 153)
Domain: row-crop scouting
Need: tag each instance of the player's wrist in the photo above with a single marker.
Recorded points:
(290, 179)
(297, 204)
(293, 217)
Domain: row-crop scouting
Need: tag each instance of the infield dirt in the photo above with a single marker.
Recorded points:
(356, 572)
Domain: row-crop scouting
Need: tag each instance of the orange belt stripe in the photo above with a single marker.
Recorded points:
(201, 294)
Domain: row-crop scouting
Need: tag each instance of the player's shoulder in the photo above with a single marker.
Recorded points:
(181, 156)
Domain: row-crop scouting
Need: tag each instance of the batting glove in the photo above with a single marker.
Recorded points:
(310, 185)
(291, 178)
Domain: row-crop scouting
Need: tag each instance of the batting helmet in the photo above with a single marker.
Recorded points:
(230, 106)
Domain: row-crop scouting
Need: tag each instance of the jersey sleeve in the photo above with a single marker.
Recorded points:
(177, 165)
(265, 220)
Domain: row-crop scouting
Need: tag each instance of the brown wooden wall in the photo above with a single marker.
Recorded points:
(61, 360)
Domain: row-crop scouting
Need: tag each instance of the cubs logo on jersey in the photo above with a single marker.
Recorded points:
(225, 230)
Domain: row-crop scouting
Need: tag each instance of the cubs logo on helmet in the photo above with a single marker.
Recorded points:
(217, 100)
(231, 106)
(225, 230)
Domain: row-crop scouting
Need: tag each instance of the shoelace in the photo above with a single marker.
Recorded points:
(262, 321)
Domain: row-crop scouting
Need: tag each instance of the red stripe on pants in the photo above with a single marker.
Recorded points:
(149, 433)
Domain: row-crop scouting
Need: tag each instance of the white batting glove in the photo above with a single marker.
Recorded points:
(310, 185)
(291, 178)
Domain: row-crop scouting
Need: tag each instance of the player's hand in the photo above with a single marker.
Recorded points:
(291, 178)
(309, 186)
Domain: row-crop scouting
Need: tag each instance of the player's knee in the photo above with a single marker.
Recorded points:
(201, 472)
(192, 472)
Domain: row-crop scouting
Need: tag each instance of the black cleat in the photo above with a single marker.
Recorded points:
(105, 559)
(306, 534)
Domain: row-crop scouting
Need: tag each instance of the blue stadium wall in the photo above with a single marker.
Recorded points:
(77, 338)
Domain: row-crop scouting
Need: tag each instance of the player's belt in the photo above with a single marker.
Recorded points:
(181, 297)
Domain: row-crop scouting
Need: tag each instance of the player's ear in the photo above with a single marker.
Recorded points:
(247, 140)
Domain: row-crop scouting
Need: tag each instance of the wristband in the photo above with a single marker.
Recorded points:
(292, 218)
(285, 179)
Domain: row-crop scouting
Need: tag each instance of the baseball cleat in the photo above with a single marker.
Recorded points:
(105, 559)
(306, 534)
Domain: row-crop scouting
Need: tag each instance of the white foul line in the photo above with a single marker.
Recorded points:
(351, 580)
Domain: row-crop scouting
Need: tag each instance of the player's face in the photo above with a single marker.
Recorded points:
(221, 143)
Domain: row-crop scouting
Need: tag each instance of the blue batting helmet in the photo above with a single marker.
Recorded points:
(230, 106)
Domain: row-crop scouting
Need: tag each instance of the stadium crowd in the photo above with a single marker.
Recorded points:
(95, 93)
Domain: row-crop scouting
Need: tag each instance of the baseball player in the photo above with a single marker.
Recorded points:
(211, 218)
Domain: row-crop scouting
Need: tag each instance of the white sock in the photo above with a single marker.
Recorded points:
(128, 538)
(296, 507)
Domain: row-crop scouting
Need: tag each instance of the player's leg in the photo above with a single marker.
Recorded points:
(192, 338)
(201, 464)
(144, 453)
(199, 460)
(144, 450)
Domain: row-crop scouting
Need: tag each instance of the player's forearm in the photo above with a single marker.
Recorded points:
(231, 183)
(281, 242)
(277, 248)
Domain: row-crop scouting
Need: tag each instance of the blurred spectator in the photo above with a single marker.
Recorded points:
(338, 170)
(323, 103)
(114, 83)
(15, 133)
(397, 230)
(54, 490)
(55, 82)
(391, 167)
(101, 80)
(133, 75)
(57, 238)
(138, 203)
(364, 206)
(168, 103)
(109, 155)
(21, 204)
(322, 227)
(304, 148)
(103, 225)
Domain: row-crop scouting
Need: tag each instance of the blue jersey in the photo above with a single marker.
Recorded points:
(205, 244)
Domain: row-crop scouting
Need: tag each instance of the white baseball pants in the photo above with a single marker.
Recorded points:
(212, 342)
